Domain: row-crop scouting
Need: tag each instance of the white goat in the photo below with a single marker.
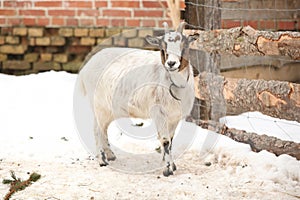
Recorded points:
(125, 82)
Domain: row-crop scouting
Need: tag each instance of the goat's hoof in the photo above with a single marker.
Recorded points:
(101, 160)
(167, 172)
(103, 164)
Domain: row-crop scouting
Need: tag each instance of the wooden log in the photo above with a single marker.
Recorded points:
(247, 41)
(256, 142)
(274, 98)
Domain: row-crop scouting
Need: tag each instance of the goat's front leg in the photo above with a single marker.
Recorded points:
(167, 150)
(165, 137)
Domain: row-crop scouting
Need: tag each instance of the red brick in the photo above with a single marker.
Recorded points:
(43, 21)
(79, 4)
(232, 23)
(14, 21)
(10, 3)
(58, 21)
(133, 22)
(117, 13)
(286, 25)
(148, 13)
(102, 22)
(61, 12)
(48, 4)
(100, 3)
(71, 22)
(267, 24)
(14, 3)
(253, 24)
(32, 12)
(148, 23)
(86, 22)
(127, 4)
(88, 12)
(8, 12)
(2, 21)
(117, 22)
(24, 4)
(154, 4)
(29, 21)
(223, 24)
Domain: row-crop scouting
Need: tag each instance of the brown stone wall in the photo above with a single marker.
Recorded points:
(25, 50)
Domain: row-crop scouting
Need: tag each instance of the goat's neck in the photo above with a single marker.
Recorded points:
(180, 79)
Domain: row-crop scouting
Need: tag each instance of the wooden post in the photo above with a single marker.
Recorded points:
(206, 14)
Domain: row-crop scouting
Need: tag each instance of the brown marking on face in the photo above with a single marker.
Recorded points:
(163, 51)
(163, 56)
(175, 39)
(183, 64)
(184, 61)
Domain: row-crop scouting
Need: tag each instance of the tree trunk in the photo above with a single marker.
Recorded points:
(236, 96)
(248, 41)
(256, 142)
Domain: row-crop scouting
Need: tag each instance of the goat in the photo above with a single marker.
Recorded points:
(127, 82)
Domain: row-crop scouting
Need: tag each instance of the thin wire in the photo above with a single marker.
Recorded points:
(248, 118)
(290, 137)
(267, 63)
(243, 9)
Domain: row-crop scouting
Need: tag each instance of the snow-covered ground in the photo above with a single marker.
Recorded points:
(37, 134)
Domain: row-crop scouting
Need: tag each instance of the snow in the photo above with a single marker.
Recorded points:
(38, 134)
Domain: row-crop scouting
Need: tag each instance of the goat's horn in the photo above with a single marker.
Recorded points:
(181, 26)
(166, 26)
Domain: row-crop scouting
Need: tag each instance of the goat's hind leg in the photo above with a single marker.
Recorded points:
(104, 153)
(100, 155)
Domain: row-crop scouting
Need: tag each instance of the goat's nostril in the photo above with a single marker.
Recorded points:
(171, 63)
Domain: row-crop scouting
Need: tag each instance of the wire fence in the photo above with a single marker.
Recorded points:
(269, 15)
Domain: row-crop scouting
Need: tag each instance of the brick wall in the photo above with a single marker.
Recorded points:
(41, 35)
(25, 50)
(262, 14)
(83, 13)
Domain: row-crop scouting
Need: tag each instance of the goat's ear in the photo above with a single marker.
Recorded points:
(192, 38)
(153, 40)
